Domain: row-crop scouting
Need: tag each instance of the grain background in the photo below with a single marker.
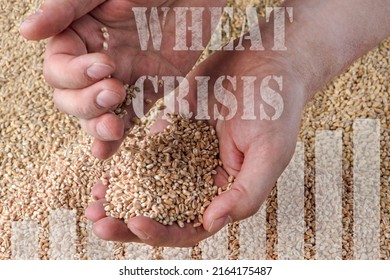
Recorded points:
(46, 171)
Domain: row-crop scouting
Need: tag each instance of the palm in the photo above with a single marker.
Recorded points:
(124, 45)
(81, 44)
(254, 151)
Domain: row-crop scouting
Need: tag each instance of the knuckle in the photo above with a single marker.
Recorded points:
(88, 109)
(57, 101)
(47, 75)
(85, 111)
(251, 206)
(86, 126)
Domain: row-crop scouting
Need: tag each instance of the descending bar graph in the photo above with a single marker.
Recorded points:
(291, 220)
(177, 253)
(366, 176)
(220, 241)
(328, 195)
(62, 234)
(24, 240)
(253, 237)
(138, 251)
(98, 249)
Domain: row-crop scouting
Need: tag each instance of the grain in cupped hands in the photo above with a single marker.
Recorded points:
(167, 176)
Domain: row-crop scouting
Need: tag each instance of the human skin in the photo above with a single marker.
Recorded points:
(78, 45)
(325, 38)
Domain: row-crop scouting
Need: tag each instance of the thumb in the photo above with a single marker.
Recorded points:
(54, 16)
(253, 184)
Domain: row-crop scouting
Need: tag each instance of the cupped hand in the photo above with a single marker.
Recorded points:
(255, 151)
(76, 64)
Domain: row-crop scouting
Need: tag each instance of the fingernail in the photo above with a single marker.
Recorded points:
(108, 99)
(99, 71)
(219, 223)
(103, 130)
(140, 233)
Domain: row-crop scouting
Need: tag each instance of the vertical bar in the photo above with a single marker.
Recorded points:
(98, 249)
(138, 251)
(366, 175)
(215, 247)
(291, 214)
(253, 236)
(328, 154)
(177, 253)
(24, 240)
(62, 234)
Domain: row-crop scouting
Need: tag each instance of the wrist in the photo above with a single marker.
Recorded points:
(327, 36)
(276, 90)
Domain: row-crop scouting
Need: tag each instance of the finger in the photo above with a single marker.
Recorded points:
(90, 102)
(55, 16)
(105, 149)
(142, 229)
(106, 228)
(107, 127)
(68, 64)
(95, 211)
(66, 71)
(99, 190)
(112, 229)
(262, 166)
(156, 234)
(159, 124)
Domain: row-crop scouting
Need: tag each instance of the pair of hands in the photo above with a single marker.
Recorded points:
(255, 152)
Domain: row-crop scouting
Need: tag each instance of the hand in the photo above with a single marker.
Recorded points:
(254, 151)
(76, 64)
